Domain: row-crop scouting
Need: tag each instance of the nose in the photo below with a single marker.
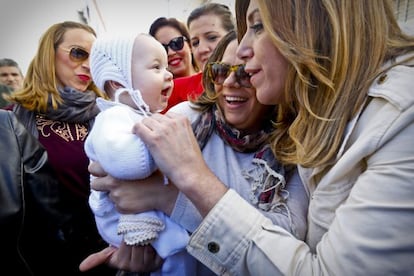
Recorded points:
(85, 64)
(231, 81)
(244, 50)
(169, 75)
(203, 47)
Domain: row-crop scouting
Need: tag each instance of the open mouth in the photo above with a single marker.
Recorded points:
(235, 99)
(174, 62)
(165, 91)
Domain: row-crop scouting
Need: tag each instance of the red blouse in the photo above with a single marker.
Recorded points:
(185, 88)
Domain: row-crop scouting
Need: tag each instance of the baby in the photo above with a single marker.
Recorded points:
(133, 73)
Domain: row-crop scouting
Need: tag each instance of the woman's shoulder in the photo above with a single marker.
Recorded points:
(186, 108)
(395, 86)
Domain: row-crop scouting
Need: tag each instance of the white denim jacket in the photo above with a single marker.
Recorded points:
(361, 213)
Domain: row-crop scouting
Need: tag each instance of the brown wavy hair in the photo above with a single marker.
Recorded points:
(336, 49)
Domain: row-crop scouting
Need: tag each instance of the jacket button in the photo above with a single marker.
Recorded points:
(213, 247)
(382, 79)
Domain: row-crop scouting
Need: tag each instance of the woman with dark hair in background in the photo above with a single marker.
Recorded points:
(207, 24)
(175, 38)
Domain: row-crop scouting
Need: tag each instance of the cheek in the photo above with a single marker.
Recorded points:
(196, 53)
(62, 60)
(63, 67)
(189, 54)
(184, 54)
(139, 75)
(187, 49)
(268, 94)
(60, 73)
(214, 44)
(221, 102)
(271, 92)
(150, 88)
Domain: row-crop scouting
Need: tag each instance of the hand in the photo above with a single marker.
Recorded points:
(135, 196)
(129, 258)
(172, 143)
(176, 152)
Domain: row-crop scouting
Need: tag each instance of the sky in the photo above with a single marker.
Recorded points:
(22, 22)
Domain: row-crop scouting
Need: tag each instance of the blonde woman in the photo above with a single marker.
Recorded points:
(57, 106)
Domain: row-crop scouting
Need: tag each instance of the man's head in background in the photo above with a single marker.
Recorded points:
(11, 74)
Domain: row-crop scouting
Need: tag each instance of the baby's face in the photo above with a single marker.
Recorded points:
(149, 72)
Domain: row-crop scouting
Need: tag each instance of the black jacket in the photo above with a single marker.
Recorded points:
(31, 222)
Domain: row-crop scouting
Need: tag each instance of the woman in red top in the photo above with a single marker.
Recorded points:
(206, 24)
(174, 36)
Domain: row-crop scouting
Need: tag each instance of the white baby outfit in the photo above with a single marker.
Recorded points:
(123, 155)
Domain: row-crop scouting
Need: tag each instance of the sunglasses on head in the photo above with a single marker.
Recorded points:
(76, 54)
(219, 72)
(176, 44)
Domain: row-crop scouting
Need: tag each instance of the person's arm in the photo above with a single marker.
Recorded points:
(173, 145)
(368, 232)
(152, 194)
(144, 258)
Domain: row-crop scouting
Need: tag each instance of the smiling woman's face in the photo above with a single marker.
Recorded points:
(265, 64)
(239, 104)
(179, 62)
(205, 32)
(71, 73)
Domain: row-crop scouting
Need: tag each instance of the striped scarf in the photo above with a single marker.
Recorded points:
(267, 177)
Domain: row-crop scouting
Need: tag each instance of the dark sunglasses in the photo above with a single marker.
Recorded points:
(76, 54)
(219, 72)
(176, 44)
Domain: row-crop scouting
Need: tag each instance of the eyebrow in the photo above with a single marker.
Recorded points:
(250, 16)
(9, 73)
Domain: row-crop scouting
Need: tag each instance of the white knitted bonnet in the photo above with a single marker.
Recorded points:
(110, 59)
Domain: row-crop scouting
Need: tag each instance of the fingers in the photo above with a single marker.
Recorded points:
(96, 259)
(96, 170)
(101, 184)
(130, 258)
(145, 259)
(156, 122)
(151, 259)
